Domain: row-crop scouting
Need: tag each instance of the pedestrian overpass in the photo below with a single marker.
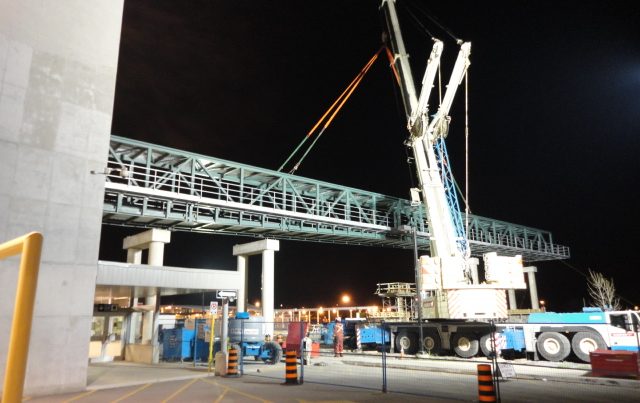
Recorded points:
(151, 186)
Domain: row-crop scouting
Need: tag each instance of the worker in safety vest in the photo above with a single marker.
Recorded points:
(338, 338)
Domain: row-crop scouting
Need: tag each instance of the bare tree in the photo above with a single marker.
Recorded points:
(602, 291)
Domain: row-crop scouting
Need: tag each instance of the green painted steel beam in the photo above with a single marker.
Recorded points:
(153, 186)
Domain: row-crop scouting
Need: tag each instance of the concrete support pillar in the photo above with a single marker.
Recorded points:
(224, 325)
(267, 248)
(533, 287)
(156, 254)
(148, 319)
(268, 285)
(134, 256)
(512, 299)
(153, 240)
(241, 304)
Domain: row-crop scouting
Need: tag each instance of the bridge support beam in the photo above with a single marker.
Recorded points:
(153, 240)
(267, 248)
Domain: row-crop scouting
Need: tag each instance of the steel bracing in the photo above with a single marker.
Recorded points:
(153, 186)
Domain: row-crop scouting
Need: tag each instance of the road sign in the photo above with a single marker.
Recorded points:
(213, 307)
(226, 294)
(506, 370)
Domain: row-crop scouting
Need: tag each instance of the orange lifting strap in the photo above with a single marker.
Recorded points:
(334, 109)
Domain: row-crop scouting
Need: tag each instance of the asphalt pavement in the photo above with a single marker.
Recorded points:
(183, 381)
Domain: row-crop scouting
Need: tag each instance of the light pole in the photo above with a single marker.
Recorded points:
(418, 287)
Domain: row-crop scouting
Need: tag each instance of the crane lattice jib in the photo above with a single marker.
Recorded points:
(452, 197)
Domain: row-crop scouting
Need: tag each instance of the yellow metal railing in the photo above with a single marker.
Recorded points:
(30, 247)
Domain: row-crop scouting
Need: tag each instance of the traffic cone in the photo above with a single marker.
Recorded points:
(291, 374)
(486, 390)
(232, 367)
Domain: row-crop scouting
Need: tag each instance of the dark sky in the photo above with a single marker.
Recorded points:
(554, 117)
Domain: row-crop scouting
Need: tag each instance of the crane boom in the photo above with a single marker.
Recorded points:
(448, 278)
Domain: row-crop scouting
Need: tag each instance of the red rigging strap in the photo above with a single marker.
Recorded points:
(333, 111)
(392, 64)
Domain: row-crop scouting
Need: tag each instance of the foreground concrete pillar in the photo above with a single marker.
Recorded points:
(533, 287)
(58, 64)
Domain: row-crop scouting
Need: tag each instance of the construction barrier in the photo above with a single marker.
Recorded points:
(232, 367)
(623, 364)
(486, 389)
(291, 374)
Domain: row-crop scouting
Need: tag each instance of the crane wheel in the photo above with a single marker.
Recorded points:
(553, 346)
(465, 345)
(583, 343)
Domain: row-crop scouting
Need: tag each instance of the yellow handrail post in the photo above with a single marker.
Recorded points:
(30, 246)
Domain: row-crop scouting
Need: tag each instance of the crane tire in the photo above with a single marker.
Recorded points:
(583, 343)
(432, 343)
(485, 344)
(465, 345)
(553, 346)
(406, 341)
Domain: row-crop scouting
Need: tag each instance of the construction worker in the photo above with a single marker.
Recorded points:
(307, 346)
(338, 338)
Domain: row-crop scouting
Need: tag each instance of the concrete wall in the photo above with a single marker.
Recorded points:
(58, 62)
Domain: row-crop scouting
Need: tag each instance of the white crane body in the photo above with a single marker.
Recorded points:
(448, 278)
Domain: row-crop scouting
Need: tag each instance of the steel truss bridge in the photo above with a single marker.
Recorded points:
(151, 186)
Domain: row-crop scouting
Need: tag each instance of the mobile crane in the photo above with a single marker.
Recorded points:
(454, 305)
(454, 308)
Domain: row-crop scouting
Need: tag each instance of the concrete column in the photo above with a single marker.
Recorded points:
(267, 248)
(268, 290)
(224, 326)
(533, 287)
(134, 256)
(148, 320)
(153, 240)
(241, 304)
(156, 254)
(512, 299)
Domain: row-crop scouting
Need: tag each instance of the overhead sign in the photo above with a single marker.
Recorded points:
(226, 294)
(213, 307)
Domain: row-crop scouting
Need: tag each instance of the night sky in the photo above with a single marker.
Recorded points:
(554, 118)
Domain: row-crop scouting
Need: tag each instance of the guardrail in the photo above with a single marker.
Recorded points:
(30, 247)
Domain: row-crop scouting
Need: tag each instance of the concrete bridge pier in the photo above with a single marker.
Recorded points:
(533, 287)
(267, 248)
(153, 240)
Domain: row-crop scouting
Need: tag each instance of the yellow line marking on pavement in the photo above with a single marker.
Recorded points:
(325, 401)
(219, 399)
(249, 395)
(25, 398)
(80, 396)
(177, 392)
(140, 389)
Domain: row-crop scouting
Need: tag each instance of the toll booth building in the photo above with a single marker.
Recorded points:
(126, 316)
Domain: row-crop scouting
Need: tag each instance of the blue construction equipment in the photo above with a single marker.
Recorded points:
(252, 336)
